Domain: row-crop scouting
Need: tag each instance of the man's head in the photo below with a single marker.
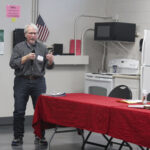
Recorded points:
(31, 32)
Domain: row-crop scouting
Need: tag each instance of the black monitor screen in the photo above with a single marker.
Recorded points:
(103, 31)
(115, 31)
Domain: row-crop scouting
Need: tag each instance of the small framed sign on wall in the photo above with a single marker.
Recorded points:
(1, 42)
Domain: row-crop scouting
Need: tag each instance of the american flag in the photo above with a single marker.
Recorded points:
(43, 30)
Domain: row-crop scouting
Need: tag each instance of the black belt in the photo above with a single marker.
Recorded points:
(30, 77)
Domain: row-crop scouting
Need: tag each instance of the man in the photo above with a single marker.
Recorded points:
(29, 59)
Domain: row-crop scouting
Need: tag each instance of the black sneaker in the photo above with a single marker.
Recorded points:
(17, 142)
(41, 141)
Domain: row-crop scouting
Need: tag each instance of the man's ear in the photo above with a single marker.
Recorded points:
(25, 35)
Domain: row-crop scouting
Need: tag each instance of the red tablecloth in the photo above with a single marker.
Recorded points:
(130, 124)
(94, 113)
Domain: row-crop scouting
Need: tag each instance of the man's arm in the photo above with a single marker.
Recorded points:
(50, 59)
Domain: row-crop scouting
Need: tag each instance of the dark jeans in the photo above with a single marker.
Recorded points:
(23, 88)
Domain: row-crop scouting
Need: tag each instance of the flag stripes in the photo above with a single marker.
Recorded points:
(43, 30)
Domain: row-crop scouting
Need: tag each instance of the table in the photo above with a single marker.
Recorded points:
(95, 113)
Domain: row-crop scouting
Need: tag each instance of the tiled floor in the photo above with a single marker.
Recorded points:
(61, 141)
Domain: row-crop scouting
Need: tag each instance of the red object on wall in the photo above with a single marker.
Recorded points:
(72, 47)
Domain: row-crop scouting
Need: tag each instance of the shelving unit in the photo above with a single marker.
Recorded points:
(71, 60)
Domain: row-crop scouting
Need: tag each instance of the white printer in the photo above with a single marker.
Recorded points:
(123, 66)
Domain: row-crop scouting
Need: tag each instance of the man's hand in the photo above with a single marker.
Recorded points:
(50, 58)
(30, 56)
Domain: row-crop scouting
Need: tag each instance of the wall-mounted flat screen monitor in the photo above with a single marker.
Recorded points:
(115, 31)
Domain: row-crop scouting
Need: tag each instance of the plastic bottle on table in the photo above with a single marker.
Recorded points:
(144, 97)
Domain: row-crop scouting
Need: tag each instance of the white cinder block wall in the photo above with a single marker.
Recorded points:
(135, 11)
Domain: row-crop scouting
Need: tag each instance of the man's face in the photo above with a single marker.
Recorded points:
(31, 35)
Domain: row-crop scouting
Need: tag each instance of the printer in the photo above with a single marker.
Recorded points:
(123, 66)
